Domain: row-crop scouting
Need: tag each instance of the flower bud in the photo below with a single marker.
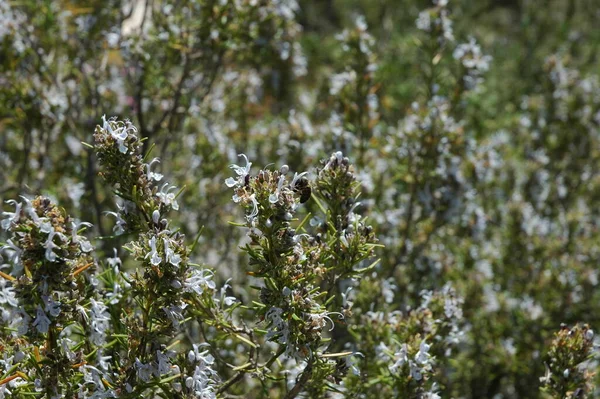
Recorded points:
(176, 284)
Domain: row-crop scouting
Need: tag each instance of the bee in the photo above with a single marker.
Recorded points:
(302, 187)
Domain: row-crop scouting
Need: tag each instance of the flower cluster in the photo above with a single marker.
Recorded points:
(166, 283)
(473, 180)
(303, 267)
(45, 285)
(353, 91)
(436, 21)
(288, 260)
(473, 61)
(566, 375)
(407, 345)
(118, 149)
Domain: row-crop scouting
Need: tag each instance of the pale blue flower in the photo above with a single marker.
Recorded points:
(175, 313)
(52, 306)
(167, 197)
(11, 217)
(163, 362)
(84, 244)
(7, 293)
(155, 258)
(172, 257)
(100, 322)
(144, 371)
(199, 280)
(422, 356)
(50, 245)
(197, 356)
(118, 229)
(14, 253)
(41, 322)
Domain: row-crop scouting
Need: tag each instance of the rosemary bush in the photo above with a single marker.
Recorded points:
(299, 199)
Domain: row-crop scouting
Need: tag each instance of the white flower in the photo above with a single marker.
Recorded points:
(115, 262)
(199, 280)
(274, 197)
(100, 321)
(118, 229)
(351, 363)
(382, 352)
(432, 394)
(361, 23)
(67, 345)
(319, 320)
(84, 244)
(254, 212)
(424, 21)
(75, 191)
(346, 303)
(172, 257)
(50, 245)
(45, 225)
(7, 294)
(202, 357)
(153, 175)
(230, 182)
(336, 157)
(167, 197)
(155, 258)
(14, 253)
(387, 290)
(415, 371)
(401, 358)
(11, 217)
(422, 356)
(227, 300)
(103, 361)
(338, 81)
(119, 134)
(241, 171)
(201, 382)
(30, 211)
(22, 322)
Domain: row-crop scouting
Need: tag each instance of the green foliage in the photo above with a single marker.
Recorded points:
(444, 230)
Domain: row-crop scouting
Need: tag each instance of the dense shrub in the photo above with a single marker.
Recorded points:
(319, 199)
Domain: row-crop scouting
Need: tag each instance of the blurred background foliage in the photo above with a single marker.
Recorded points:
(486, 178)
